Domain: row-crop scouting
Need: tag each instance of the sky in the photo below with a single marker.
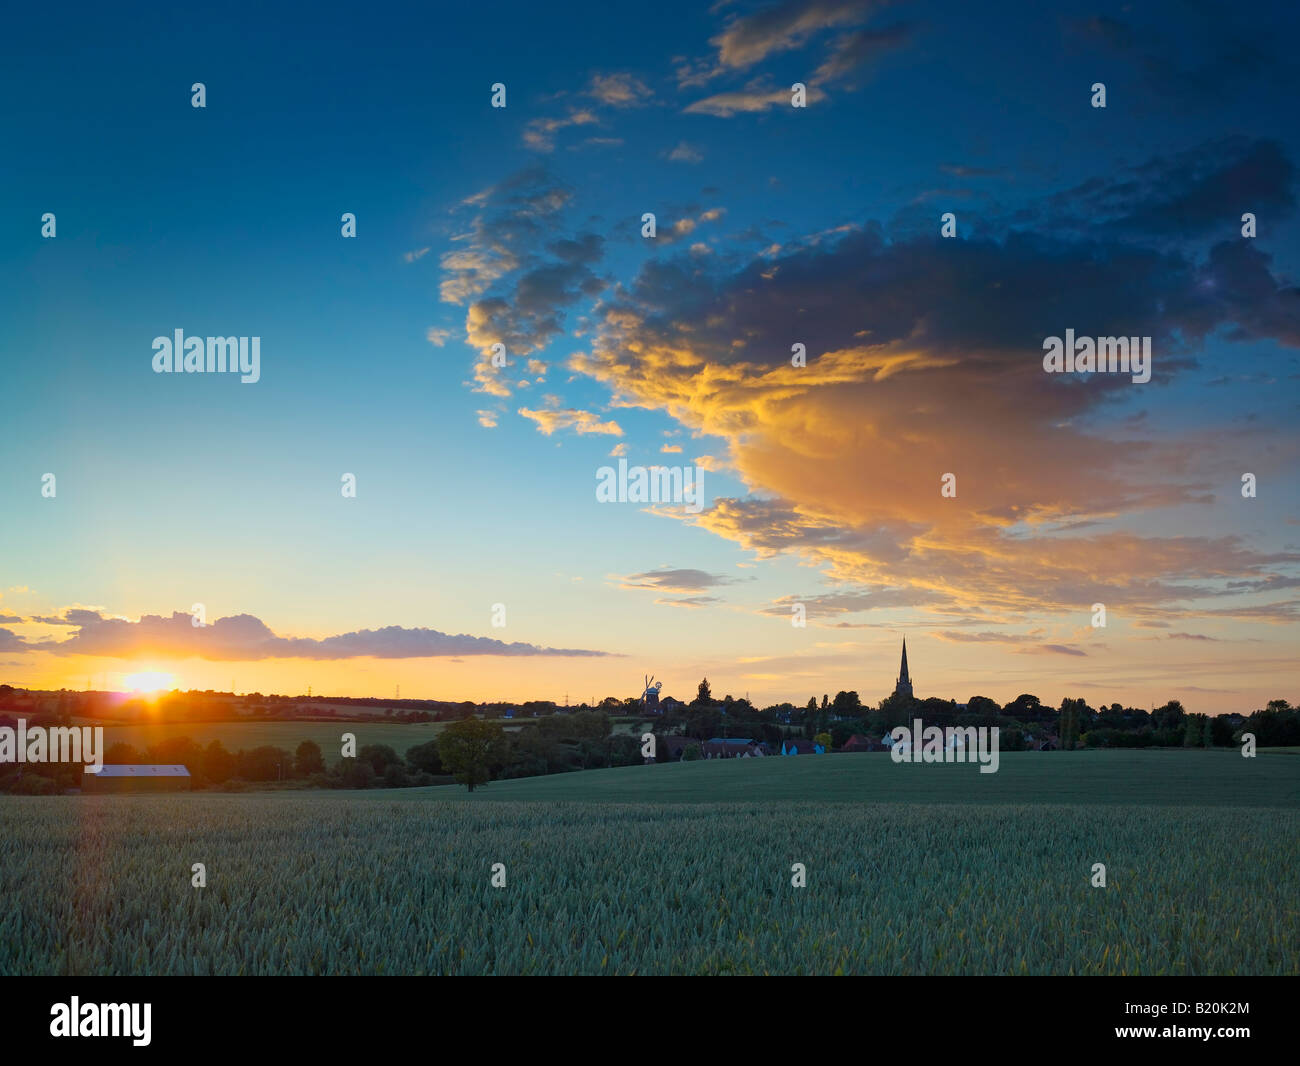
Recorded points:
(775, 225)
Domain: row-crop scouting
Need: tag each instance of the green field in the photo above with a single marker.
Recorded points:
(235, 735)
(910, 869)
(1205, 778)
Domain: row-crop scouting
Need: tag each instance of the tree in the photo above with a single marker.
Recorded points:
(1071, 710)
(379, 756)
(308, 760)
(265, 763)
(468, 747)
(1170, 716)
(216, 763)
(121, 753)
(705, 695)
(846, 703)
(425, 757)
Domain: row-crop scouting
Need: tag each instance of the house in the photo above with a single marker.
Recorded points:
(125, 777)
(670, 704)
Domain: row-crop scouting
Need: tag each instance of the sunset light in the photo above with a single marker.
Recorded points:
(149, 681)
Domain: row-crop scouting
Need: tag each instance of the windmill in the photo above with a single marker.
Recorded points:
(650, 695)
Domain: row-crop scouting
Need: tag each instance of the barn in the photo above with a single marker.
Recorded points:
(123, 777)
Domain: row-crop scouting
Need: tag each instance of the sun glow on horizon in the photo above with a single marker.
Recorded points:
(150, 681)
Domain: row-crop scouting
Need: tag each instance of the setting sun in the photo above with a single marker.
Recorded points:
(149, 681)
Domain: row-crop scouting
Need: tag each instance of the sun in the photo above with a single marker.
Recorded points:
(150, 681)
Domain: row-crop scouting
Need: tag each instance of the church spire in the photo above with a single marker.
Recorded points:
(904, 685)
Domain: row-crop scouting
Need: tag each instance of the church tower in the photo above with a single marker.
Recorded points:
(904, 685)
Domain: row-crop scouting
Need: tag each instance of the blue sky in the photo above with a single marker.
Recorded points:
(176, 489)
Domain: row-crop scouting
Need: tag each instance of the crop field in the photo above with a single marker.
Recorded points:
(1163, 778)
(400, 881)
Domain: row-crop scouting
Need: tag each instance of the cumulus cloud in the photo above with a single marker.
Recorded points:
(848, 453)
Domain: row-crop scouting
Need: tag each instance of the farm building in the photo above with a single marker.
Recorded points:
(122, 777)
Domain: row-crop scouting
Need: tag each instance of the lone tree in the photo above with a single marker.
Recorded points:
(467, 748)
(704, 697)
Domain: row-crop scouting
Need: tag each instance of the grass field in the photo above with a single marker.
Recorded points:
(235, 735)
(1206, 778)
(909, 870)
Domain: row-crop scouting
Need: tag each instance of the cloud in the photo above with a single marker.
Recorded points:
(749, 39)
(419, 253)
(11, 641)
(783, 27)
(487, 419)
(581, 422)
(9, 618)
(1206, 58)
(686, 153)
(858, 48)
(687, 601)
(1184, 196)
(618, 90)
(438, 337)
(684, 227)
(675, 580)
(517, 273)
(540, 133)
(245, 638)
(749, 101)
(844, 457)
(619, 449)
